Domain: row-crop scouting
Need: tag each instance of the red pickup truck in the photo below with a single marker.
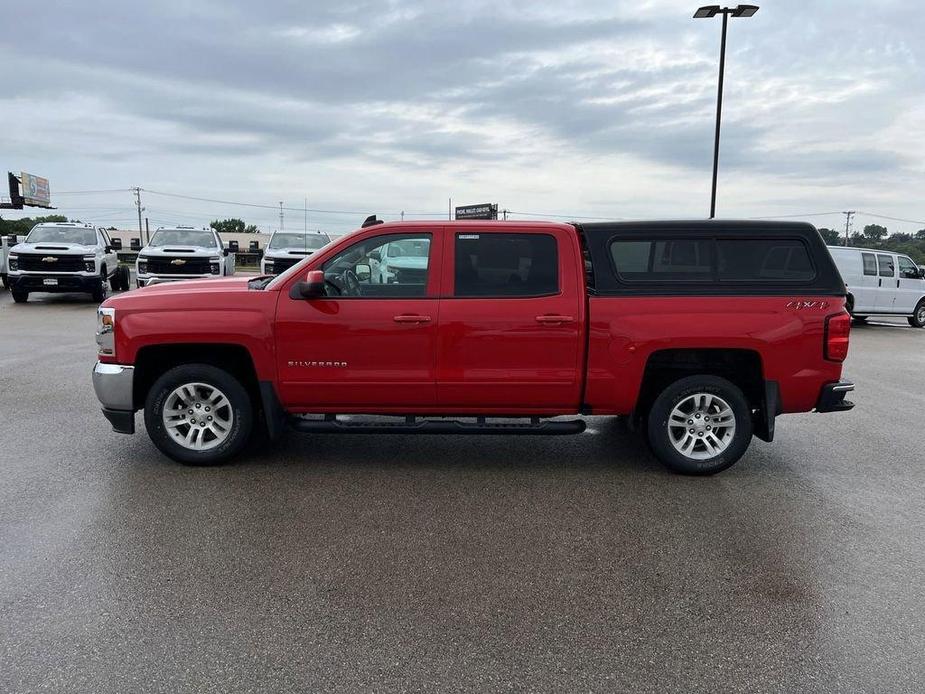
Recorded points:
(701, 333)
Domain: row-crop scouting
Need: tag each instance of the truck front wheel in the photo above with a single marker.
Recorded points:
(700, 425)
(917, 319)
(198, 414)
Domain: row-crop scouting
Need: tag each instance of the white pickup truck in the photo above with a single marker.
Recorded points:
(65, 257)
(286, 248)
(182, 253)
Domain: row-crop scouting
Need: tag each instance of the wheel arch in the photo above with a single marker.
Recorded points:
(742, 367)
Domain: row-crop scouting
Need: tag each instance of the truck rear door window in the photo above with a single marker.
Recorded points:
(763, 260)
(505, 265)
(664, 260)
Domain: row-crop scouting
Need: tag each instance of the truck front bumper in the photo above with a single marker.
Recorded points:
(114, 384)
(61, 282)
(832, 397)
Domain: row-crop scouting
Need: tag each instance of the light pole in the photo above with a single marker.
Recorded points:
(708, 12)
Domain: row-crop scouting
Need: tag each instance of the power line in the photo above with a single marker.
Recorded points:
(894, 219)
(92, 192)
(797, 216)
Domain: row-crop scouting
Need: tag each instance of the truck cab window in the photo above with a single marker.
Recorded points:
(394, 266)
(506, 265)
(662, 260)
(763, 260)
(870, 264)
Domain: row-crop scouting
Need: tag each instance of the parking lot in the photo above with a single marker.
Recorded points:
(425, 563)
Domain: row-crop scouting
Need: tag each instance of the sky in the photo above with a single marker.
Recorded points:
(579, 109)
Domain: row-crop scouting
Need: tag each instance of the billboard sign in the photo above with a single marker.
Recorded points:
(483, 211)
(35, 190)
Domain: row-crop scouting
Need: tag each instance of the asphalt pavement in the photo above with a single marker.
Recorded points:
(354, 563)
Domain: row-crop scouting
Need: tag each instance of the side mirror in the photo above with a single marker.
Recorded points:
(108, 249)
(313, 286)
(363, 272)
(922, 273)
(225, 252)
(375, 255)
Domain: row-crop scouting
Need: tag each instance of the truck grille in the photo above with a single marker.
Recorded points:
(190, 266)
(280, 265)
(39, 262)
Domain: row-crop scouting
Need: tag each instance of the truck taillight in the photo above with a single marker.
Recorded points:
(837, 328)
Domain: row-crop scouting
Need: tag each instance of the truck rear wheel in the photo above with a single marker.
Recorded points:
(198, 414)
(700, 425)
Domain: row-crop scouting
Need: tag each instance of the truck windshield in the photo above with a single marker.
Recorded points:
(183, 237)
(78, 235)
(409, 248)
(309, 242)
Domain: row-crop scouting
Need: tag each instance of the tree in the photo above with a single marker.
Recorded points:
(251, 229)
(228, 226)
(920, 234)
(832, 237)
(23, 226)
(875, 232)
(899, 237)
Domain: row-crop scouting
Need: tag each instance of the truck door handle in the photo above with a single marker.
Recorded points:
(411, 318)
(550, 319)
(880, 282)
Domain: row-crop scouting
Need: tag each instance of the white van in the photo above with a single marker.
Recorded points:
(881, 283)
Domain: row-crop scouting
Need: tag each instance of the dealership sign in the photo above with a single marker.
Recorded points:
(35, 190)
(484, 211)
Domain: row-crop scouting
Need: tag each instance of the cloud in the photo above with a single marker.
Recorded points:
(419, 99)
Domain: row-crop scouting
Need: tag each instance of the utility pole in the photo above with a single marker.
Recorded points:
(280, 215)
(306, 215)
(848, 215)
(403, 215)
(449, 210)
(137, 192)
(147, 230)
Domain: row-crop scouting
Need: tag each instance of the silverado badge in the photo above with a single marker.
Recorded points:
(178, 261)
(49, 259)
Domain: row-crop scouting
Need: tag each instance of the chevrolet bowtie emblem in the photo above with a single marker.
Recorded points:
(49, 259)
(178, 261)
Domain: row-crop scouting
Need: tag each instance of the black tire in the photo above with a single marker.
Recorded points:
(99, 292)
(860, 320)
(677, 393)
(240, 408)
(917, 319)
(119, 281)
(4, 281)
(19, 297)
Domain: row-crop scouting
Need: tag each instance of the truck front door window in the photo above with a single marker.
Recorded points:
(394, 266)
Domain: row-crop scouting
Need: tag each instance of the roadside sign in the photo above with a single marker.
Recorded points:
(484, 211)
(35, 190)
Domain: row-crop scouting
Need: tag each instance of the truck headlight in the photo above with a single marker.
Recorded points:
(90, 263)
(142, 267)
(105, 331)
(268, 267)
(215, 265)
(13, 262)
